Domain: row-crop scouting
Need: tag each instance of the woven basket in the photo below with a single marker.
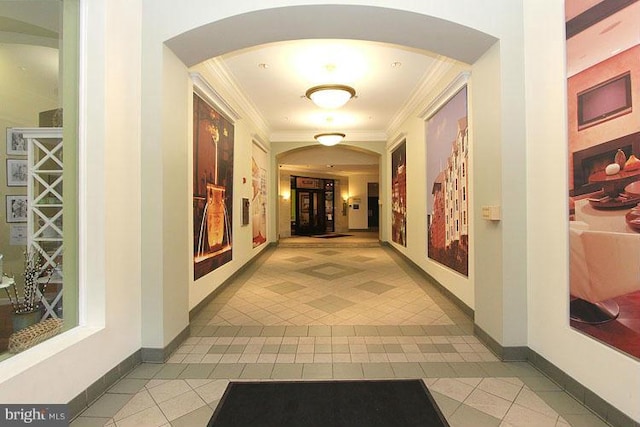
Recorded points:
(34, 334)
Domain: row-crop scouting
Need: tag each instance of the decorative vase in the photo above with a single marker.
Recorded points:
(23, 320)
(215, 216)
(620, 158)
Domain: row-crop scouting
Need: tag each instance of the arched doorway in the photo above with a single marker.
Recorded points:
(321, 184)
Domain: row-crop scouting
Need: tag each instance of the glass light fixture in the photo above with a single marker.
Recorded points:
(330, 96)
(329, 138)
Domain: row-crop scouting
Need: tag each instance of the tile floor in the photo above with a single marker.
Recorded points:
(335, 313)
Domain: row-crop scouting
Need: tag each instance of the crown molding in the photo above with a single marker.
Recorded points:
(258, 141)
(221, 73)
(426, 86)
(448, 93)
(202, 87)
(307, 136)
(395, 142)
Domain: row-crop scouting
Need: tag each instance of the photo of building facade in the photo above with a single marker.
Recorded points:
(448, 212)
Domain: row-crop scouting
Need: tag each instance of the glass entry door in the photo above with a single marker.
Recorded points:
(311, 212)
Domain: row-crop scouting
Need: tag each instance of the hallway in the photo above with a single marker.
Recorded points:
(332, 312)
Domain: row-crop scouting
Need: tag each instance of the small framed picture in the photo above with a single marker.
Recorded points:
(16, 144)
(17, 172)
(17, 209)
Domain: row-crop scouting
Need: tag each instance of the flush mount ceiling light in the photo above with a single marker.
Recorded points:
(329, 138)
(330, 96)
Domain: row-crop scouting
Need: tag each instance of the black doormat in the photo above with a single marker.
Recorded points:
(331, 236)
(391, 403)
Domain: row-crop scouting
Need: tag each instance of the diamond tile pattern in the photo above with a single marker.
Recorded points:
(329, 271)
(375, 287)
(285, 288)
(282, 323)
(360, 258)
(297, 259)
(330, 303)
(329, 252)
(279, 293)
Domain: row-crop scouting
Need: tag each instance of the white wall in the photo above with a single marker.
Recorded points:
(487, 190)
(174, 200)
(607, 372)
(358, 190)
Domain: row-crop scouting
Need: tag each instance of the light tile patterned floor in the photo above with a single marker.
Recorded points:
(338, 313)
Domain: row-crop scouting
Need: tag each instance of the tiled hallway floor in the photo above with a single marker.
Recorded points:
(335, 313)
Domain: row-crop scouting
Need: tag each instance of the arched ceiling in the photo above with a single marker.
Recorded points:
(392, 58)
(331, 21)
(338, 160)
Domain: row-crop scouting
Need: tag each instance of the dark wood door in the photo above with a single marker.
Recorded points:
(310, 215)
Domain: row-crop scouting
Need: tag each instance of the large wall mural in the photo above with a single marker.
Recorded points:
(259, 162)
(399, 194)
(212, 188)
(603, 84)
(448, 181)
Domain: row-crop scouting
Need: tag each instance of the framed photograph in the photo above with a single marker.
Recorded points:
(17, 172)
(17, 209)
(16, 144)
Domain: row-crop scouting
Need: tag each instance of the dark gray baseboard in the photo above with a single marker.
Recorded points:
(98, 388)
(506, 354)
(160, 355)
(588, 398)
(150, 355)
(146, 355)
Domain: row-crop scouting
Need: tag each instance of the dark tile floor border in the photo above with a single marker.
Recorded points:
(102, 384)
(160, 355)
(585, 396)
(506, 354)
(588, 398)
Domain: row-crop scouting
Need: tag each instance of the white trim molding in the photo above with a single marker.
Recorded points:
(452, 88)
(395, 142)
(426, 86)
(221, 73)
(205, 90)
(259, 142)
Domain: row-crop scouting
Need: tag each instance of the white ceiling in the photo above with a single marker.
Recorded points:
(273, 79)
(276, 76)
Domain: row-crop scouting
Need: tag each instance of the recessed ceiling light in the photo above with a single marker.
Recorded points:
(396, 64)
(263, 65)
